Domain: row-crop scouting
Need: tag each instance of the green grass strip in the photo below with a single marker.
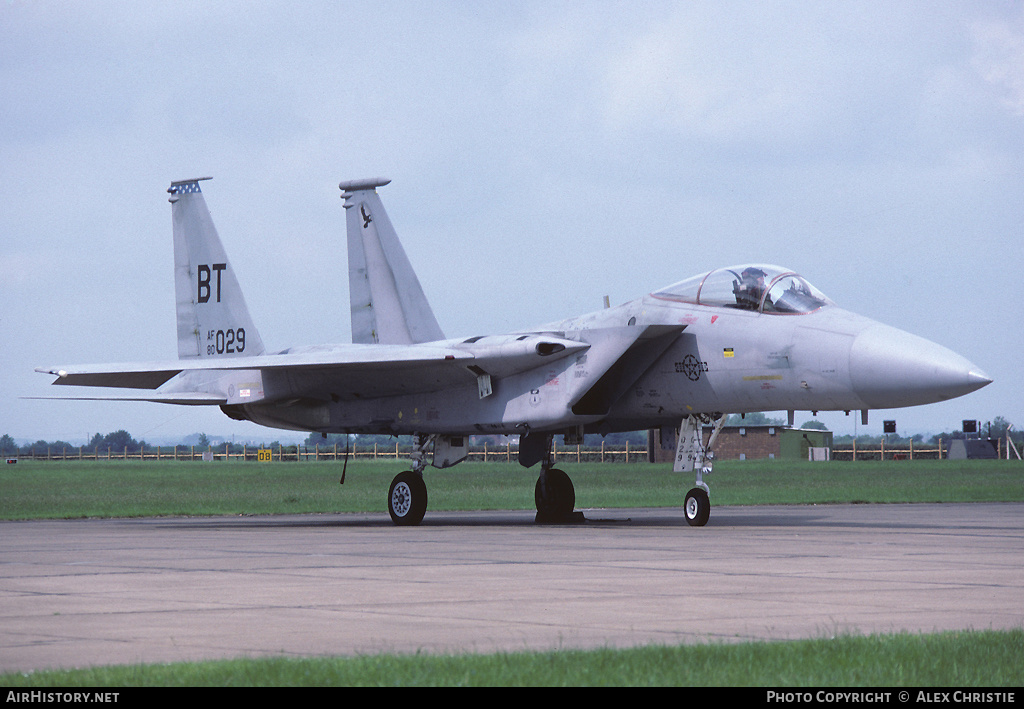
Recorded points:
(952, 659)
(72, 489)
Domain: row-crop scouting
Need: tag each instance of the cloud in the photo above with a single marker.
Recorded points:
(543, 154)
(746, 77)
(999, 58)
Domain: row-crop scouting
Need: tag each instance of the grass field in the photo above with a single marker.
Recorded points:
(35, 490)
(959, 659)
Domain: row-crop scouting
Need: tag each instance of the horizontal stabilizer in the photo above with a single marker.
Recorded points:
(124, 376)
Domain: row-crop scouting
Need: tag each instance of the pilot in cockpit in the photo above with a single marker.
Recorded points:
(749, 288)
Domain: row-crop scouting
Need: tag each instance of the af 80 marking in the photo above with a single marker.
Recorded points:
(225, 341)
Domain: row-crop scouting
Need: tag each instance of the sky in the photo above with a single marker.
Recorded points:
(542, 155)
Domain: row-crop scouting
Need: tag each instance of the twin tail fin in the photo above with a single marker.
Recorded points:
(387, 301)
(213, 320)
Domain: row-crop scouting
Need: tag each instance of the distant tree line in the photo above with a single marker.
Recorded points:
(120, 441)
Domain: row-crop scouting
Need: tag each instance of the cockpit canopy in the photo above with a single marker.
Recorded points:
(757, 287)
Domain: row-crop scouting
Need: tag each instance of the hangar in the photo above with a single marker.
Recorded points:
(756, 442)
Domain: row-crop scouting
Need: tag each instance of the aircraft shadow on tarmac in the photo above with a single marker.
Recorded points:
(797, 516)
(911, 516)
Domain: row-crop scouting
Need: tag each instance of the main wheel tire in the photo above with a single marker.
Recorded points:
(555, 496)
(697, 507)
(407, 499)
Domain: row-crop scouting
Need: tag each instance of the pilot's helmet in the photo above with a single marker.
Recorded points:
(753, 273)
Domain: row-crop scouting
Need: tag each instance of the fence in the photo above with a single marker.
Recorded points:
(485, 453)
(508, 452)
(901, 451)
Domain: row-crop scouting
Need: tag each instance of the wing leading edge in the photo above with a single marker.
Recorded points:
(181, 398)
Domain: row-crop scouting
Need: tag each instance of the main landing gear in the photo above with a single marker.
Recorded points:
(407, 496)
(554, 494)
(555, 497)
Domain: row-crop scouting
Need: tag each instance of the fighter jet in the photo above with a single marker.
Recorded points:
(740, 339)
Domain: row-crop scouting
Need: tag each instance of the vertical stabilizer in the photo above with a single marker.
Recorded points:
(388, 303)
(212, 318)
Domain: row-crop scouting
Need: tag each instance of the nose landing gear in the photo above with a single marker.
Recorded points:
(692, 454)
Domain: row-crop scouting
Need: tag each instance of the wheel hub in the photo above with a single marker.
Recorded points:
(401, 499)
(691, 508)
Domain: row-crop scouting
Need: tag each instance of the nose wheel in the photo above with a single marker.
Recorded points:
(697, 507)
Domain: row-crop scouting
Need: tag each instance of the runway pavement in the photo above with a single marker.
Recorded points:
(96, 592)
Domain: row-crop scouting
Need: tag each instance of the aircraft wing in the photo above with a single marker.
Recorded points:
(340, 372)
(152, 375)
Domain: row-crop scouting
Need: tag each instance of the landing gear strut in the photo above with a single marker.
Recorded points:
(554, 493)
(692, 454)
(407, 496)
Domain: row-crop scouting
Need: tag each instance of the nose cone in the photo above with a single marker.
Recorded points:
(890, 368)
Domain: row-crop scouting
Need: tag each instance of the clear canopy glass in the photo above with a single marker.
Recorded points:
(757, 287)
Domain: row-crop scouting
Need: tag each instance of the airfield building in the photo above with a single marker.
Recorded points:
(750, 443)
